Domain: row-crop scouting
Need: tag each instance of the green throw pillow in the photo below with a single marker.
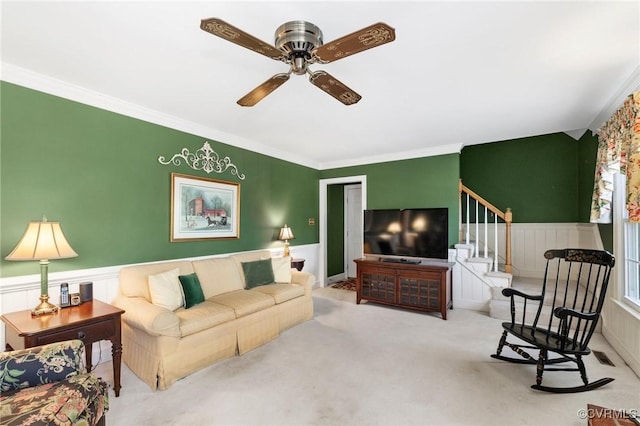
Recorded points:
(192, 290)
(257, 273)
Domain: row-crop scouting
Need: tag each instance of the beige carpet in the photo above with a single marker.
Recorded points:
(372, 365)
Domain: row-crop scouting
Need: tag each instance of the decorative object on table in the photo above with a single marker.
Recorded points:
(300, 44)
(86, 291)
(205, 159)
(286, 234)
(204, 209)
(43, 241)
(74, 299)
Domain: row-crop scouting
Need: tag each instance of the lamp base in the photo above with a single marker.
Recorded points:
(44, 307)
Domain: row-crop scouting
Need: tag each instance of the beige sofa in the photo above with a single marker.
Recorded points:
(162, 345)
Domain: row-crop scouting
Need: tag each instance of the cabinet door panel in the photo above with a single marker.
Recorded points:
(420, 290)
(378, 286)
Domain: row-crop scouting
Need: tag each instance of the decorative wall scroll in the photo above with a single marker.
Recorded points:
(204, 209)
(205, 159)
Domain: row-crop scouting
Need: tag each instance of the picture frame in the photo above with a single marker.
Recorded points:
(204, 209)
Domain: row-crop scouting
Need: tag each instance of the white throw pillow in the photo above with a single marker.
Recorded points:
(281, 269)
(165, 290)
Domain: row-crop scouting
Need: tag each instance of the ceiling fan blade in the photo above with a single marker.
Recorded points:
(335, 88)
(372, 36)
(222, 29)
(260, 92)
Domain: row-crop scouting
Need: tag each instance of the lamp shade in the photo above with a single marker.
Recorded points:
(286, 233)
(42, 240)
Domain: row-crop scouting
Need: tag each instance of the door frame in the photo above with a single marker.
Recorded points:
(347, 231)
(324, 183)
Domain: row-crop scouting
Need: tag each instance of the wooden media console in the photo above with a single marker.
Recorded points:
(422, 286)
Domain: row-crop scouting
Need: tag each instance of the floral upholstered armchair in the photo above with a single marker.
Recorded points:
(49, 385)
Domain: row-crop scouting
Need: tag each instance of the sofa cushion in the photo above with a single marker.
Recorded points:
(281, 292)
(165, 290)
(218, 275)
(191, 289)
(249, 256)
(281, 269)
(134, 279)
(244, 302)
(203, 316)
(258, 272)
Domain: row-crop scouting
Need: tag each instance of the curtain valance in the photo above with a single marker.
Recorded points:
(618, 152)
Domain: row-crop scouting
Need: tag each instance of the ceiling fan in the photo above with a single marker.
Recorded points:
(299, 44)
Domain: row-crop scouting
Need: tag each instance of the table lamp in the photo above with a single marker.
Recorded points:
(286, 234)
(43, 241)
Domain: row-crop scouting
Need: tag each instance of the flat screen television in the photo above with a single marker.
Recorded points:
(397, 234)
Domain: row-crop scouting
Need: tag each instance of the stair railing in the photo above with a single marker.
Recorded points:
(467, 196)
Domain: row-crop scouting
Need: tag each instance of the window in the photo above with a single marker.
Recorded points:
(626, 247)
(632, 262)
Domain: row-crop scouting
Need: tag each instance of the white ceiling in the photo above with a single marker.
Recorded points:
(458, 74)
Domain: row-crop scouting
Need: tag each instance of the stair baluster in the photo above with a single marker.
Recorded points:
(488, 207)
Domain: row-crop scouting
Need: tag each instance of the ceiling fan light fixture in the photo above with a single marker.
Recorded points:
(300, 44)
(296, 37)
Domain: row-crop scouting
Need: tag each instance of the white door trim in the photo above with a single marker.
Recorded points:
(351, 243)
(324, 183)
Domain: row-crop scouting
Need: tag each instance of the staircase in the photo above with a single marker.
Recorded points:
(475, 281)
(477, 274)
(482, 261)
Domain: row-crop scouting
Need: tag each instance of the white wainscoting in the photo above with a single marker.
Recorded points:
(23, 292)
(529, 241)
(621, 328)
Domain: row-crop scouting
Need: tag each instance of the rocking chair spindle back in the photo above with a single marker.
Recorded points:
(568, 309)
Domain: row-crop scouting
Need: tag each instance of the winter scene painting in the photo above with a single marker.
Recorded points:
(203, 209)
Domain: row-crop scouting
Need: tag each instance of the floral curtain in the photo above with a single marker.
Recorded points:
(618, 152)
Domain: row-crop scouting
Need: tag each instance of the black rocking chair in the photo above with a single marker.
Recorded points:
(575, 283)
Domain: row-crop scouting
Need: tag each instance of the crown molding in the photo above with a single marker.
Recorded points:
(398, 156)
(576, 134)
(46, 84)
(631, 84)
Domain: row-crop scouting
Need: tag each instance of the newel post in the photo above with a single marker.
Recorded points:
(508, 218)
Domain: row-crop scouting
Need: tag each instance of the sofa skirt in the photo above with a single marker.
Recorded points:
(161, 360)
(294, 312)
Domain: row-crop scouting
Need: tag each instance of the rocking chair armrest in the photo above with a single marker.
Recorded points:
(510, 292)
(562, 313)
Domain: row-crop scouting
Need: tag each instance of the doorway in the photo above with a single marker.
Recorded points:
(324, 184)
(352, 228)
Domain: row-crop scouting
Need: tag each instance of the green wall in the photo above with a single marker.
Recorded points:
(97, 172)
(415, 183)
(543, 179)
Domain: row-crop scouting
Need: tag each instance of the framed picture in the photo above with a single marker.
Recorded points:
(204, 209)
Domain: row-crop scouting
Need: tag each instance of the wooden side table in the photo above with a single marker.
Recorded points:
(297, 263)
(90, 322)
